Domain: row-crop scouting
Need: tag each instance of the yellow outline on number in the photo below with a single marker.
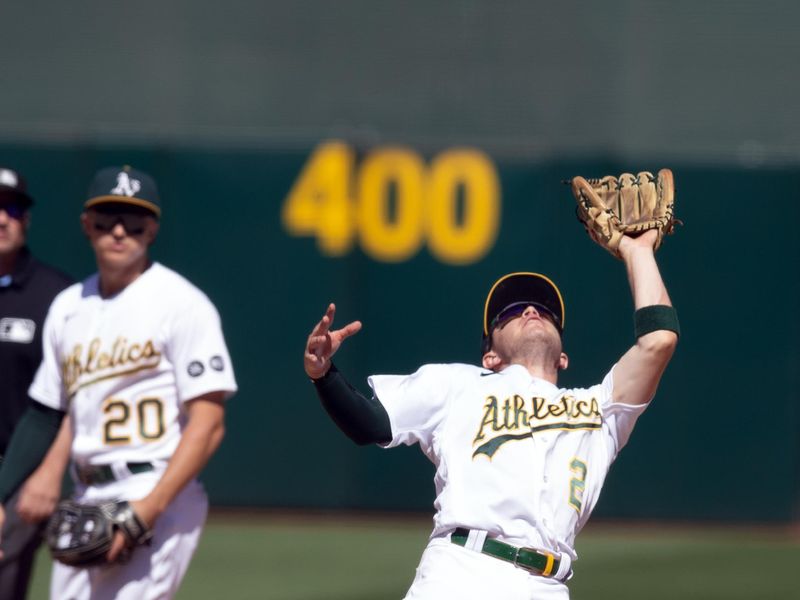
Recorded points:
(577, 484)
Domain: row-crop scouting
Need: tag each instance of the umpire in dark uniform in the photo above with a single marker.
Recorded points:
(27, 287)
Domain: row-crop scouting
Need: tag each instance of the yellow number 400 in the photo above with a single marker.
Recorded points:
(391, 202)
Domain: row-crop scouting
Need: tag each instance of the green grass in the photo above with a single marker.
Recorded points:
(697, 564)
(342, 558)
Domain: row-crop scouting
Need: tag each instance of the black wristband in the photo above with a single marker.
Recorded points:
(655, 318)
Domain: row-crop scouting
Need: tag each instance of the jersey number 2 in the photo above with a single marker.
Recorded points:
(577, 484)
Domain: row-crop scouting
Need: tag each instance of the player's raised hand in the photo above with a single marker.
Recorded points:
(646, 240)
(323, 343)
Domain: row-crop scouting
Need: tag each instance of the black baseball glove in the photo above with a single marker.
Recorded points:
(80, 535)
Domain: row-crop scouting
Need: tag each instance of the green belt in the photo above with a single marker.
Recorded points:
(538, 562)
(101, 474)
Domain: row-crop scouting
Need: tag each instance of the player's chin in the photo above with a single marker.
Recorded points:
(545, 334)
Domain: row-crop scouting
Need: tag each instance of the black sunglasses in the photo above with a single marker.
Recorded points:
(106, 221)
(13, 210)
(516, 310)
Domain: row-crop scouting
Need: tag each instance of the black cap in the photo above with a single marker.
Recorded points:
(521, 287)
(13, 187)
(124, 185)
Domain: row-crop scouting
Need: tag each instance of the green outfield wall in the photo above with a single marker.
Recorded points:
(410, 243)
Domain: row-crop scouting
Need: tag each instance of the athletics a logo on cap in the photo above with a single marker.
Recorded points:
(126, 185)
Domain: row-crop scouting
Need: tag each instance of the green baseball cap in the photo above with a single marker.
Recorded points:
(124, 185)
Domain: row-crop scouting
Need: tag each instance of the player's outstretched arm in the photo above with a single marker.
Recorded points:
(639, 371)
(323, 343)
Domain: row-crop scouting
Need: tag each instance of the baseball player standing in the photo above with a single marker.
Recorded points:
(519, 461)
(27, 287)
(136, 355)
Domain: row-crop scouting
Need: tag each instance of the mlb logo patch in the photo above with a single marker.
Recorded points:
(15, 330)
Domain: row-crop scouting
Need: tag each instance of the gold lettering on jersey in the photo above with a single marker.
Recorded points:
(513, 413)
(95, 362)
(567, 407)
(489, 417)
(517, 418)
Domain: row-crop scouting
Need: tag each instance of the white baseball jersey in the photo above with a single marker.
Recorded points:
(515, 455)
(124, 366)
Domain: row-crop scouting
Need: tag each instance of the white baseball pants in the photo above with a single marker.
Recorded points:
(447, 571)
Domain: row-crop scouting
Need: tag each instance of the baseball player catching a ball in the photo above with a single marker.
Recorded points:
(135, 354)
(520, 461)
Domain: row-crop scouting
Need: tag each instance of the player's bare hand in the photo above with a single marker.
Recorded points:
(323, 343)
(630, 244)
(119, 547)
(39, 496)
(147, 512)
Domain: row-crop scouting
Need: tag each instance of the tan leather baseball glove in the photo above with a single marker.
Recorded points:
(611, 207)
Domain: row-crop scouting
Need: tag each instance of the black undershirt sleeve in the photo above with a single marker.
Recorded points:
(32, 437)
(364, 420)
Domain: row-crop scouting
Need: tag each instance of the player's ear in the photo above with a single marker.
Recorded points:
(152, 230)
(85, 224)
(563, 362)
(491, 360)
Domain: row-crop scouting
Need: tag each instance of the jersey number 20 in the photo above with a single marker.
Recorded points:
(148, 414)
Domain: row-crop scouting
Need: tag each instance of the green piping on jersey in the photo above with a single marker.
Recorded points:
(565, 426)
(492, 446)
